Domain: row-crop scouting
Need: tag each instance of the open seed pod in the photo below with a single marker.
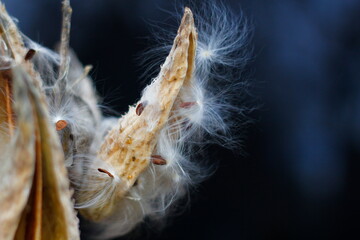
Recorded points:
(35, 200)
(129, 148)
(126, 151)
(59, 153)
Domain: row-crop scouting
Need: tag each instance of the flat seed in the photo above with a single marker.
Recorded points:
(61, 124)
(30, 54)
(105, 171)
(140, 108)
(158, 160)
(187, 104)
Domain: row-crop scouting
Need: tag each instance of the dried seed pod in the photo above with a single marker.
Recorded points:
(17, 163)
(128, 151)
(33, 177)
(122, 171)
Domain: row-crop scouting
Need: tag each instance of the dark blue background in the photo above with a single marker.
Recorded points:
(298, 178)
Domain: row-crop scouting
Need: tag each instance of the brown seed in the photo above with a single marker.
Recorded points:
(187, 104)
(158, 160)
(140, 108)
(30, 54)
(129, 140)
(61, 124)
(105, 171)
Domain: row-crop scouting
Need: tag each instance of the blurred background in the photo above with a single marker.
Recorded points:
(297, 174)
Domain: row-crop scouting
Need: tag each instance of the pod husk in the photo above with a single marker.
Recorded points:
(35, 200)
(128, 147)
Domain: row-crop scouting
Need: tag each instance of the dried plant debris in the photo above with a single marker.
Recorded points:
(60, 154)
(127, 148)
(35, 195)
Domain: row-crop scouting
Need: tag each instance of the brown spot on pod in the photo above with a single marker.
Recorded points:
(129, 140)
(158, 160)
(140, 108)
(61, 124)
(187, 104)
(30, 54)
(106, 172)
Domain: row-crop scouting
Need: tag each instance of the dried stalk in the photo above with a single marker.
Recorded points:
(65, 39)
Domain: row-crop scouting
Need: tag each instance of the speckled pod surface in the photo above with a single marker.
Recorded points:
(129, 146)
